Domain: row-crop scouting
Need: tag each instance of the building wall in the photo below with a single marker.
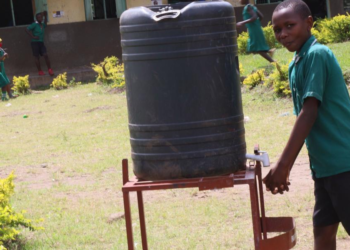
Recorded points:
(74, 11)
(234, 2)
(68, 45)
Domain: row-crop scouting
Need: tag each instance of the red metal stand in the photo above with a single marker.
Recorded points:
(251, 176)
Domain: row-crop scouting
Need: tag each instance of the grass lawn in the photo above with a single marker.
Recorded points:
(251, 62)
(67, 157)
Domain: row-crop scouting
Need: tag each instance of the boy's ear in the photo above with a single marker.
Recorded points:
(310, 22)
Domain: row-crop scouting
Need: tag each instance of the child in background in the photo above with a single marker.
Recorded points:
(4, 81)
(37, 32)
(256, 42)
(322, 105)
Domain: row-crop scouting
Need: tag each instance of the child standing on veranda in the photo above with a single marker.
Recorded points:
(37, 32)
(256, 42)
(322, 105)
(4, 81)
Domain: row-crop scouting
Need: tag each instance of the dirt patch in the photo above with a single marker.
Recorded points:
(300, 179)
(98, 108)
(300, 176)
(35, 177)
(45, 176)
(42, 176)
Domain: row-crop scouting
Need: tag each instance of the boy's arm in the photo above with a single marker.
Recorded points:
(31, 34)
(260, 15)
(250, 20)
(276, 180)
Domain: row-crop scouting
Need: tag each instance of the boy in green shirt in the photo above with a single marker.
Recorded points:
(322, 105)
(37, 32)
(4, 81)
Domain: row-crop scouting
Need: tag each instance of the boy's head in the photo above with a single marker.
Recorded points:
(39, 17)
(292, 23)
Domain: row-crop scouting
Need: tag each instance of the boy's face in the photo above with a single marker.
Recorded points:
(39, 18)
(291, 30)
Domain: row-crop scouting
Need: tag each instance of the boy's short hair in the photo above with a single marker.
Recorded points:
(297, 6)
(36, 15)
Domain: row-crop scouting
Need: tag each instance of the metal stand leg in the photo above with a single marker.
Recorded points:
(142, 220)
(255, 215)
(127, 210)
(128, 223)
(262, 204)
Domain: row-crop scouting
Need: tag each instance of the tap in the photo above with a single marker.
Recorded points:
(263, 158)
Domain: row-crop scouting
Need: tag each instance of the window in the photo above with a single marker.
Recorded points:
(100, 9)
(267, 1)
(16, 13)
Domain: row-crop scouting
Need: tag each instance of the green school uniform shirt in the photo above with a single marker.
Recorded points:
(37, 30)
(315, 72)
(256, 41)
(3, 77)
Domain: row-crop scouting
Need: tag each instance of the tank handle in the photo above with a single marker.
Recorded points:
(166, 14)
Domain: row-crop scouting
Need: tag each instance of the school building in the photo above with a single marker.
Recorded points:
(80, 32)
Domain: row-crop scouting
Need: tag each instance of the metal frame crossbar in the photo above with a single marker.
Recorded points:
(285, 226)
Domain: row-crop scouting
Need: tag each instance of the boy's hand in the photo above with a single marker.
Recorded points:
(239, 25)
(277, 180)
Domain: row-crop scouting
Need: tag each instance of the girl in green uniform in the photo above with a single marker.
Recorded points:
(4, 81)
(256, 42)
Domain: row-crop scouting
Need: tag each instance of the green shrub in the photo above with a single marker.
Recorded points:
(9, 219)
(73, 83)
(320, 36)
(110, 72)
(333, 30)
(21, 85)
(279, 80)
(255, 78)
(241, 70)
(60, 82)
(270, 37)
(242, 43)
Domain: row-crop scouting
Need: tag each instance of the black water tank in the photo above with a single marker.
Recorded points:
(183, 91)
